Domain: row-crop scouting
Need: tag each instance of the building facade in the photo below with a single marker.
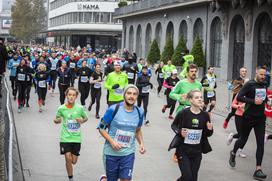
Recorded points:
(84, 23)
(234, 33)
(5, 17)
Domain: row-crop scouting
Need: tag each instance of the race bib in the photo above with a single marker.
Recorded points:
(130, 75)
(119, 91)
(146, 89)
(15, 64)
(72, 65)
(193, 136)
(21, 77)
(260, 93)
(210, 94)
(54, 66)
(124, 138)
(97, 85)
(168, 74)
(42, 84)
(84, 79)
(73, 126)
(161, 75)
(28, 78)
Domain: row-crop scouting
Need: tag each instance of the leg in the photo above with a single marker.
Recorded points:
(195, 165)
(126, 167)
(259, 130)
(185, 167)
(69, 163)
(98, 97)
(62, 94)
(82, 93)
(112, 167)
(139, 101)
(173, 105)
(145, 104)
(212, 105)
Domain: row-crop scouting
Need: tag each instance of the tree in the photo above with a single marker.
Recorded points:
(177, 57)
(197, 52)
(168, 50)
(154, 53)
(28, 17)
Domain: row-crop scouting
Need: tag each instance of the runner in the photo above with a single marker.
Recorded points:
(65, 76)
(167, 69)
(73, 67)
(160, 78)
(253, 93)
(131, 69)
(237, 85)
(53, 71)
(96, 81)
(115, 84)
(42, 77)
(84, 74)
(193, 126)
(170, 83)
(209, 84)
(124, 121)
(29, 81)
(12, 66)
(71, 115)
(180, 91)
(187, 59)
(144, 86)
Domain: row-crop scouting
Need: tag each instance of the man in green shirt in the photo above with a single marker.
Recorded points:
(179, 92)
(188, 59)
(115, 84)
(167, 69)
(71, 115)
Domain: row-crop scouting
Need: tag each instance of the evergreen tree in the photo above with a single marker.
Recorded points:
(154, 53)
(197, 52)
(168, 50)
(177, 57)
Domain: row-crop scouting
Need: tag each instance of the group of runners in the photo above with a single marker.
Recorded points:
(128, 86)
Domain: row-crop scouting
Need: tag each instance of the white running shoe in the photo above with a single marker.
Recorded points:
(241, 153)
(230, 138)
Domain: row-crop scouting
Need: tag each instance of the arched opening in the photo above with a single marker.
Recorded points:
(131, 39)
(148, 35)
(198, 29)
(183, 29)
(170, 30)
(158, 33)
(216, 42)
(264, 28)
(139, 41)
(237, 29)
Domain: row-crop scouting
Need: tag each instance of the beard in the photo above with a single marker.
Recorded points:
(129, 104)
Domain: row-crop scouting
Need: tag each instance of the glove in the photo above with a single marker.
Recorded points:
(151, 85)
(115, 86)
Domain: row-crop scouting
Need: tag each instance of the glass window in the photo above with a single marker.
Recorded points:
(80, 17)
(105, 17)
(87, 17)
(95, 17)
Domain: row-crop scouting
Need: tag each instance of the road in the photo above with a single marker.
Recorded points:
(38, 139)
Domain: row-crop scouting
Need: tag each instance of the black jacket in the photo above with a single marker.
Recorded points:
(3, 58)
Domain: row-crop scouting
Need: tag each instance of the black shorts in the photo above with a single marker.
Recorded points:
(210, 99)
(74, 148)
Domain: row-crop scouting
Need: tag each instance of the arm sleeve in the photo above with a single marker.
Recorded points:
(177, 122)
(59, 113)
(165, 84)
(107, 84)
(241, 97)
(107, 118)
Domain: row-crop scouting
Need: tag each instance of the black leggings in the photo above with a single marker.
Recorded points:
(145, 99)
(41, 93)
(189, 166)
(170, 104)
(28, 89)
(22, 92)
(238, 124)
(62, 89)
(233, 110)
(160, 82)
(84, 89)
(247, 124)
(53, 75)
(13, 85)
(96, 96)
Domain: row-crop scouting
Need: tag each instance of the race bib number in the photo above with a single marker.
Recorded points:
(161, 75)
(97, 85)
(260, 93)
(130, 75)
(72, 65)
(146, 89)
(193, 137)
(124, 138)
(15, 64)
(42, 84)
(118, 91)
(21, 77)
(168, 74)
(73, 126)
(210, 94)
(84, 79)
(54, 66)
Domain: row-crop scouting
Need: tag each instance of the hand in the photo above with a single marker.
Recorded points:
(151, 85)
(49, 87)
(184, 132)
(116, 146)
(183, 97)
(142, 149)
(57, 120)
(258, 101)
(209, 126)
(115, 86)
(79, 120)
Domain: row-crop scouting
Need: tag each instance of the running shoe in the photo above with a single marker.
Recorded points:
(232, 161)
(19, 109)
(163, 109)
(259, 175)
(146, 122)
(90, 107)
(97, 116)
(158, 94)
(230, 138)
(103, 178)
(14, 98)
(241, 153)
(170, 117)
(27, 104)
(225, 124)
(40, 110)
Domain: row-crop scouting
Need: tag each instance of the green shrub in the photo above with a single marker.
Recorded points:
(197, 52)
(154, 53)
(122, 4)
(177, 57)
(168, 50)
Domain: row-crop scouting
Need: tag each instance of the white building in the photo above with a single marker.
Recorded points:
(5, 17)
(84, 23)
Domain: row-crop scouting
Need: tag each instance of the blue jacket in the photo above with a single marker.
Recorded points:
(12, 66)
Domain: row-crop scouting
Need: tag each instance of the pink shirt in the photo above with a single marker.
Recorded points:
(239, 106)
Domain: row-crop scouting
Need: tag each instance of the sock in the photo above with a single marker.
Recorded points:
(70, 177)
